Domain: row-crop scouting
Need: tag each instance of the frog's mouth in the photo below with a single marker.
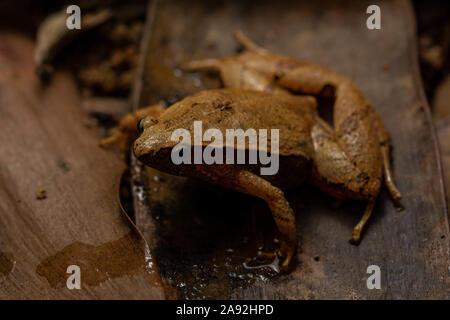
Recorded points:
(144, 147)
(148, 145)
(161, 160)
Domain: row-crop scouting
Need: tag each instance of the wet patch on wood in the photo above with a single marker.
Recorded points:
(99, 263)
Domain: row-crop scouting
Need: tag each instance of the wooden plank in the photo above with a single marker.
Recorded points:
(202, 234)
(443, 133)
(58, 194)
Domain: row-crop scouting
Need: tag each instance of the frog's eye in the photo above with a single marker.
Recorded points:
(140, 126)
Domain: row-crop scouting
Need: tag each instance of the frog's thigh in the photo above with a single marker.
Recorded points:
(337, 176)
(310, 79)
(282, 213)
(334, 173)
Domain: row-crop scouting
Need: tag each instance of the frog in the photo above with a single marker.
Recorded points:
(352, 155)
(231, 108)
(348, 159)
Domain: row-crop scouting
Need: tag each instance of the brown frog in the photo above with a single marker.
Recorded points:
(346, 160)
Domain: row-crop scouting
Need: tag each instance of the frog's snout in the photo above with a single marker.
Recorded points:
(139, 148)
(148, 143)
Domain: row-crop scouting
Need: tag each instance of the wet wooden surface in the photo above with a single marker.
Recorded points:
(202, 234)
(58, 194)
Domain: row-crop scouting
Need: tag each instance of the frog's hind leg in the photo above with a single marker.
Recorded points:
(388, 177)
(335, 174)
(248, 44)
(357, 230)
(358, 129)
(385, 146)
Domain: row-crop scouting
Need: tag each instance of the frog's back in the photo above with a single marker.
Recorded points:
(247, 109)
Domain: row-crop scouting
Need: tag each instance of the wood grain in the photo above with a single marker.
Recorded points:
(46, 148)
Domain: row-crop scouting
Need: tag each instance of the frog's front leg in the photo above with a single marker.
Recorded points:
(247, 182)
(127, 129)
(235, 178)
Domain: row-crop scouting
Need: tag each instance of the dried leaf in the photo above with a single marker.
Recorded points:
(53, 34)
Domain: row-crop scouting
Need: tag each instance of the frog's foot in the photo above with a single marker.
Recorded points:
(286, 253)
(355, 239)
(263, 260)
(356, 234)
(388, 176)
(117, 137)
(283, 254)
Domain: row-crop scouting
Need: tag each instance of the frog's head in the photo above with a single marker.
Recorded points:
(154, 142)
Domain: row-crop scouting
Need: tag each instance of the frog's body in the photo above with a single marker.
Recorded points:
(346, 160)
(351, 157)
(225, 109)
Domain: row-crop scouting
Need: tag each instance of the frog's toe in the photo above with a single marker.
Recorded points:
(266, 255)
(284, 266)
(355, 238)
(287, 252)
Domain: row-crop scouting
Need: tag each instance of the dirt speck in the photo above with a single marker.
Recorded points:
(64, 165)
(6, 265)
(41, 194)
